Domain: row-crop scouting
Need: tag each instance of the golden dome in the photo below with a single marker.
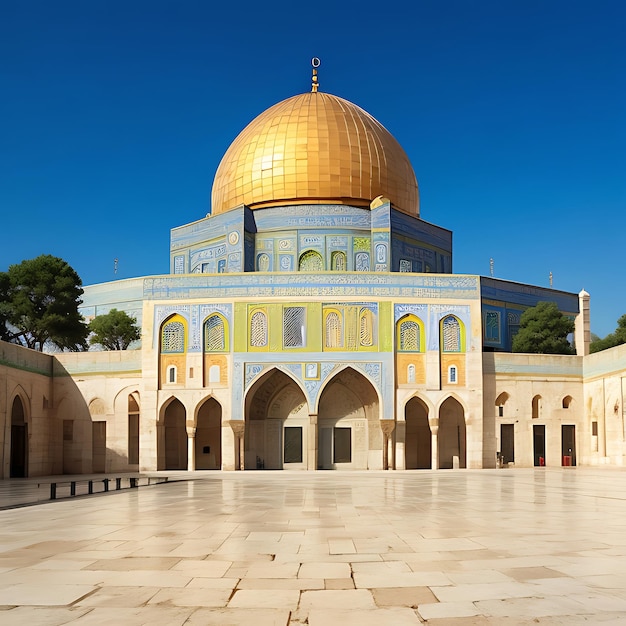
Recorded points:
(314, 148)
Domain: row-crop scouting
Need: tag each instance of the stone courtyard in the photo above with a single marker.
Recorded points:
(508, 546)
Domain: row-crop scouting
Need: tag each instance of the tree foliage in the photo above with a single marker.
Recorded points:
(615, 338)
(544, 330)
(114, 330)
(39, 301)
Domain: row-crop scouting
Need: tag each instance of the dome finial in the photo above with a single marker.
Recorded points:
(315, 62)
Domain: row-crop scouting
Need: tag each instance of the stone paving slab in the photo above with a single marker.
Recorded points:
(446, 548)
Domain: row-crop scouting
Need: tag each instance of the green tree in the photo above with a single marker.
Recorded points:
(39, 301)
(613, 339)
(114, 330)
(544, 330)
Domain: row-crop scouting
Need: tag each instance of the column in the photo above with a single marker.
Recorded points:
(191, 449)
(387, 426)
(239, 427)
(434, 430)
(312, 443)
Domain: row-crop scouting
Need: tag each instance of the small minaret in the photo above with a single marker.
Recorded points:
(582, 330)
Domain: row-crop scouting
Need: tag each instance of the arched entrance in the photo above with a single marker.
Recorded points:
(19, 440)
(277, 420)
(451, 435)
(349, 433)
(418, 438)
(175, 436)
(209, 436)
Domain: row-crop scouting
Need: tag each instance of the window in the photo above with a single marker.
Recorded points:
(171, 374)
(311, 261)
(451, 334)
(294, 326)
(409, 335)
(492, 326)
(567, 401)
(366, 328)
(334, 330)
(339, 261)
(258, 330)
(410, 373)
(536, 407)
(452, 374)
(133, 431)
(214, 334)
(500, 402)
(173, 337)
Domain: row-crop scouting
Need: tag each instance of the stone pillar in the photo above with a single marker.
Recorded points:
(191, 449)
(434, 430)
(582, 329)
(312, 443)
(387, 426)
(239, 427)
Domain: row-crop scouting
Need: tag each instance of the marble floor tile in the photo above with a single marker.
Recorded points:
(466, 548)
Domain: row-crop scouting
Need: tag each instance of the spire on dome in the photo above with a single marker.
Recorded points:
(315, 62)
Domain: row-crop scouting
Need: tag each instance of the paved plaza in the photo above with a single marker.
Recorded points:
(508, 546)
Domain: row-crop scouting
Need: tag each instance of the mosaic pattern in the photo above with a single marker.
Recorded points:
(173, 337)
(451, 334)
(257, 286)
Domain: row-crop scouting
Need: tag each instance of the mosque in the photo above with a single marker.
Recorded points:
(312, 321)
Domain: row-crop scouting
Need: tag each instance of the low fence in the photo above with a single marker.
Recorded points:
(83, 487)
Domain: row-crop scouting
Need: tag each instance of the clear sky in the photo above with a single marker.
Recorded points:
(114, 116)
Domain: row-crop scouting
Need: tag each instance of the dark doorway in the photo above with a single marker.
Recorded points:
(539, 445)
(19, 441)
(175, 436)
(418, 438)
(507, 443)
(568, 445)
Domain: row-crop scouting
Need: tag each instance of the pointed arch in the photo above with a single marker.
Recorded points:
(18, 462)
(208, 440)
(173, 336)
(333, 329)
(452, 332)
(259, 330)
(276, 413)
(348, 418)
(410, 334)
(215, 333)
(501, 400)
(451, 436)
(311, 261)
(418, 435)
(339, 261)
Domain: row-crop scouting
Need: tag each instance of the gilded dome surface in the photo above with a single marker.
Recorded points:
(314, 148)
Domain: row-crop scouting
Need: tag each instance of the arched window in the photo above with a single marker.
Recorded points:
(263, 262)
(452, 374)
(410, 373)
(536, 407)
(215, 334)
(334, 330)
(567, 401)
(339, 261)
(258, 330)
(173, 336)
(451, 334)
(311, 261)
(366, 328)
(500, 402)
(171, 374)
(409, 335)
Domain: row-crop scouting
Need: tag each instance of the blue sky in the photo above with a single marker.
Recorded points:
(114, 117)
